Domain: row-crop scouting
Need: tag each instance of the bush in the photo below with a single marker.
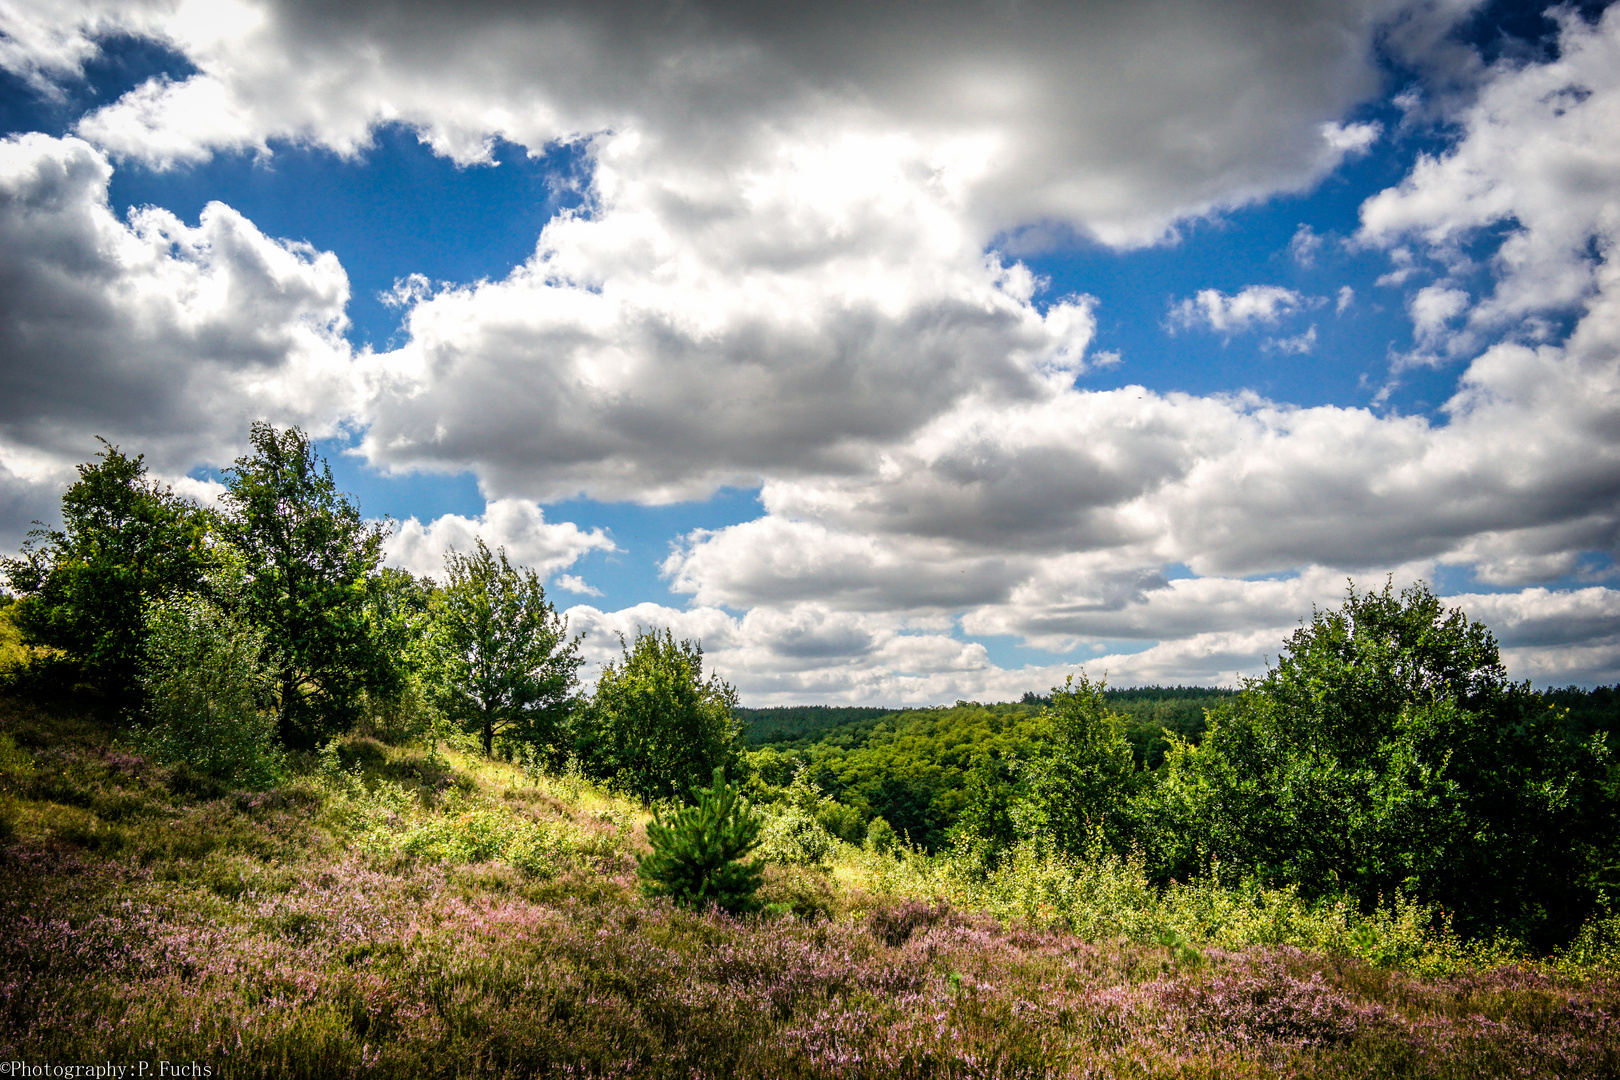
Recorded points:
(796, 839)
(206, 693)
(399, 717)
(1076, 792)
(881, 837)
(694, 855)
(805, 828)
(845, 822)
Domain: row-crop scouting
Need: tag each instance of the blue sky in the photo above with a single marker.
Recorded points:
(896, 370)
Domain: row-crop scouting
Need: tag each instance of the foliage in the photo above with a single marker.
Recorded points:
(500, 659)
(15, 653)
(1075, 795)
(1386, 754)
(397, 613)
(1587, 712)
(308, 557)
(794, 838)
(790, 723)
(84, 589)
(880, 837)
(1151, 716)
(794, 834)
(925, 770)
(656, 726)
(694, 858)
(935, 771)
(206, 692)
(398, 609)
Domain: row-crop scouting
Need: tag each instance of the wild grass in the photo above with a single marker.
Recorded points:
(1111, 898)
(420, 911)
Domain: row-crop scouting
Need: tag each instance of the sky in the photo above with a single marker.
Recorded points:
(899, 353)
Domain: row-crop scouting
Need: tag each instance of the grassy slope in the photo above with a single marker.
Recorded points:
(396, 911)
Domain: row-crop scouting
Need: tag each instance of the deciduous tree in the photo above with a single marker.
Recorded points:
(84, 589)
(308, 556)
(1076, 790)
(501, 661)
(1387, 753)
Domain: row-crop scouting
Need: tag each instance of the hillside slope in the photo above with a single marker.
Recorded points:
(419, 911)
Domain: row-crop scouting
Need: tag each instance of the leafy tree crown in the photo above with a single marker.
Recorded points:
(501, 660)
(309, 557)
(84, 589)
(658, 724)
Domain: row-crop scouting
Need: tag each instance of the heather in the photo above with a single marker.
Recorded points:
(412, 908)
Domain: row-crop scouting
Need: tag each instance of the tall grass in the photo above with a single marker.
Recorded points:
(1110, 898)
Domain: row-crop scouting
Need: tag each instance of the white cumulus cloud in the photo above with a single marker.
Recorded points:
(1256, 305)
(166, 337)
(797, 267)
(519, 527)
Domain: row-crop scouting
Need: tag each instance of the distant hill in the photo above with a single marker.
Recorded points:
(1150, 712)
(792, 723)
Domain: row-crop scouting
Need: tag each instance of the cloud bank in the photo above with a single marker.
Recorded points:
(797, 268)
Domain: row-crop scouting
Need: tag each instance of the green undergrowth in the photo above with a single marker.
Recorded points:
(1111, 898)
(420, 910)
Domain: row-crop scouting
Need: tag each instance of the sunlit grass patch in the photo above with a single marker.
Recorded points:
(1111, 898)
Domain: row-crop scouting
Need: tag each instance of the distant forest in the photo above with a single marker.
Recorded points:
(1148, 712)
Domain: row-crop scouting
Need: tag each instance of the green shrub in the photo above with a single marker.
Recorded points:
(206, 693)
(656, 726)
(694, 855)
(1596, 946)
(1076, 792)
(845, 822)
(881, 837)
(797, 832)
(795, 838)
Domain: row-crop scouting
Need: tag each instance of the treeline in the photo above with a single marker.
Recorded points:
(1151, 714)
(228, 638)
(1385, 757)
(790, 723)
(920, 770)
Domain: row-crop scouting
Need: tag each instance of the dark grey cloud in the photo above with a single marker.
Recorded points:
(1114, 118)
(167, 336)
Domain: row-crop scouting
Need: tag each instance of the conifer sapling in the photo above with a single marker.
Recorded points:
(695, 854)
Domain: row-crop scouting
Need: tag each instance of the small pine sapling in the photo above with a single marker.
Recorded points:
(695, 854)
